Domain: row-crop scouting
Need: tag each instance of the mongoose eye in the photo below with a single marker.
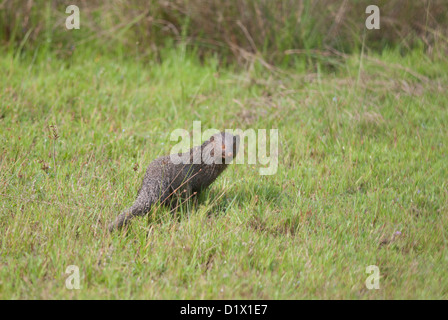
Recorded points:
(212, 138)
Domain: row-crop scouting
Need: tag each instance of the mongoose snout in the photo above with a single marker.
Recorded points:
(229, 145)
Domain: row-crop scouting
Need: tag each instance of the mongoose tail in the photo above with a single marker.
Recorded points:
(145, 199)
(121, 220)
(125, 217)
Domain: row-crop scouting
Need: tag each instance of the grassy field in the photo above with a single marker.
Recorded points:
(362, 178)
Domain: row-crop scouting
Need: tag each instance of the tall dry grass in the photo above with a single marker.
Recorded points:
(232, 29)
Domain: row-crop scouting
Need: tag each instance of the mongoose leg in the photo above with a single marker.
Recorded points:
(180, 195)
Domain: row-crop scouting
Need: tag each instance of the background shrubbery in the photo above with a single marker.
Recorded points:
(235, 29)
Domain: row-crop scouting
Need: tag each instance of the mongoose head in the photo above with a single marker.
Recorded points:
(221, 148)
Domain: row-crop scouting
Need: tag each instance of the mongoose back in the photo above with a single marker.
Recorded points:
(185, 174)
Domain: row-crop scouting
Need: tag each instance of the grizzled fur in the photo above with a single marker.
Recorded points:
(166, 179)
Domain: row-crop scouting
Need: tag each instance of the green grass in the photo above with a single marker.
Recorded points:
(362, 155)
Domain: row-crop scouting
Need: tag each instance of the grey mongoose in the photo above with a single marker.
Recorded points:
(181, 175)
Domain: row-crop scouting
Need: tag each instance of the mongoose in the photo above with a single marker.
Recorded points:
(183, 174)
